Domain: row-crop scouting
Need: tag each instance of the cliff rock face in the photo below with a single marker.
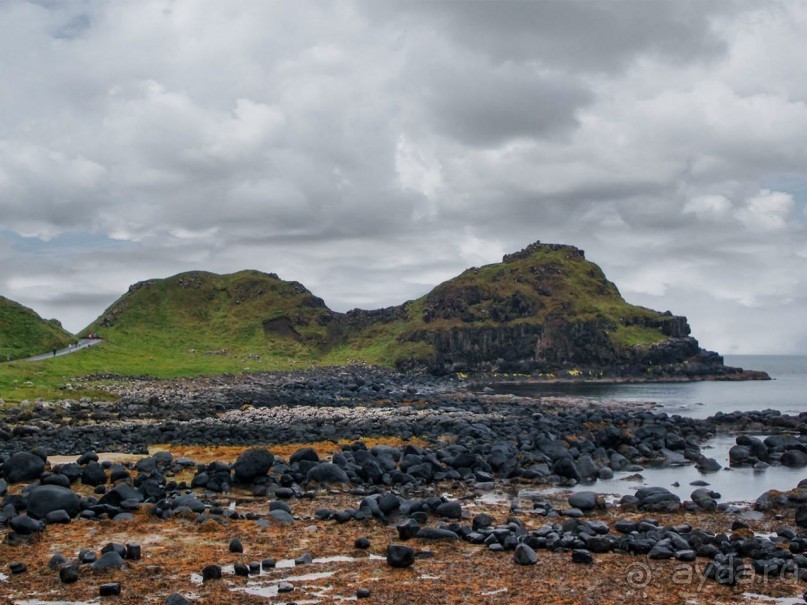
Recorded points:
(547, 310)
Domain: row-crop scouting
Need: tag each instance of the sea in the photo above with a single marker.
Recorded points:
(786, 392)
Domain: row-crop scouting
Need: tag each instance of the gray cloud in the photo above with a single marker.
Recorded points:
(371, 150)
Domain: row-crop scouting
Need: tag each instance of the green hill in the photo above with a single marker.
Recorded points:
(199, 315)
(541, 309)
(544, 311)
(24, 333)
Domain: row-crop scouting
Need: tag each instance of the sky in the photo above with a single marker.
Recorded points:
(372, 150)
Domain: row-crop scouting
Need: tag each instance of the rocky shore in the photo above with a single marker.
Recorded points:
(361, 483)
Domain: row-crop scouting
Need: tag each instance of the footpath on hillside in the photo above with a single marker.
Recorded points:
(81, 344)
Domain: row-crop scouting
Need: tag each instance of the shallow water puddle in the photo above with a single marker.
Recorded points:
(766, 600)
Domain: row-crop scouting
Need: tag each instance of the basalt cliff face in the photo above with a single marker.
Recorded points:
(544, 311)
(547, 311)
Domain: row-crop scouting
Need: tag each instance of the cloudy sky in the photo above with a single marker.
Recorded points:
(373, 149)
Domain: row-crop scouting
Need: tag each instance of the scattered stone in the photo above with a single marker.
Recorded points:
(108, 560)
(400, 556)
(68, 574)
(236, 546)
(211, 572)
(583, 556)
(17, 568)
(252, 464)
(109, 590)
(524, 555)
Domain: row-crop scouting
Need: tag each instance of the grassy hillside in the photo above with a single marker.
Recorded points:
(545, 298)
(540, 284)
(24, 333)
(197, 315)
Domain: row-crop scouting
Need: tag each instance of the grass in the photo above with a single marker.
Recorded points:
(200, 323)
(23, 333)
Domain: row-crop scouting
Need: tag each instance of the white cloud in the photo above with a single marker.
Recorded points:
(371, 149)
(767, 211)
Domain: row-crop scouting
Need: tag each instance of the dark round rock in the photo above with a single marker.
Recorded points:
(268, 564)
(308, 454)
(236, 546)
(56, 561)
(285, 587)
(586, 501)
(93, 474)
(240, 569)
(68, 574)
(211, 572)
(252, 464)
(87, 556)
(408, 529)
(189, 501)
(25, 525)
(108, 560)
(57, 516)
(281, 516)
(279, 505)
(23, 467)
(524, 555)
(284, 492)
(114, 547)
(327, 472)
(388, 503)
(176, 599)
(451, 510)
(581, 555)
(363, 593)
(400, 556)
(362, 543)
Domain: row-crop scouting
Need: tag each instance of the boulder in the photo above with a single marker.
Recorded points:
(44, 499)
(306, 453)
(586, 501)
(327, 472)
(252, 464)
(794, 458)
(23, 467)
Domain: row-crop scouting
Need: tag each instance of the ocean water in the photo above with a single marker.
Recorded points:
(787, 392)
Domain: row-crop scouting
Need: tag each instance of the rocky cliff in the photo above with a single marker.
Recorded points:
(546, 310)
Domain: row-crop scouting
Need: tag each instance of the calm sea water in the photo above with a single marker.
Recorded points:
(787, 392)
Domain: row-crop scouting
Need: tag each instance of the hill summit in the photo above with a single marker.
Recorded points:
(544, 310)
(24, 333)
